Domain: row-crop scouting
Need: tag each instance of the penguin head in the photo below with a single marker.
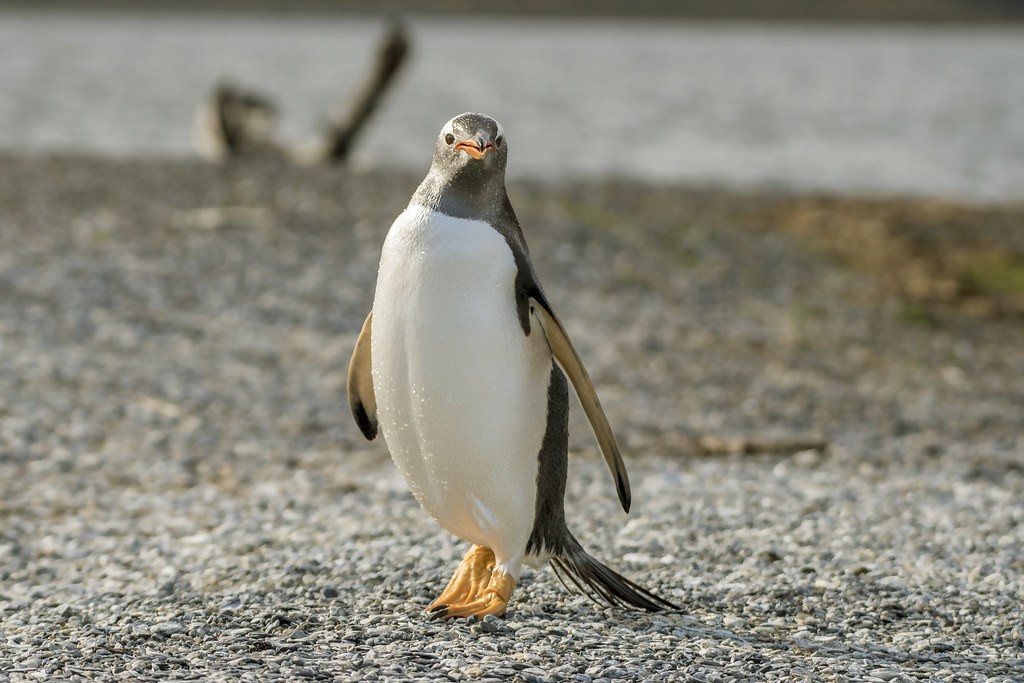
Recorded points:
(471, 149)
(467, 176)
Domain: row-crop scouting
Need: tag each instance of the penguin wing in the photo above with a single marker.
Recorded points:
(565, 353)
(361, 399)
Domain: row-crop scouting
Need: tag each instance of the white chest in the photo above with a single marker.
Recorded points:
(461, 390)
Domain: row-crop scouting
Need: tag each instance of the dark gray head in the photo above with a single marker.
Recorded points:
(467, 176)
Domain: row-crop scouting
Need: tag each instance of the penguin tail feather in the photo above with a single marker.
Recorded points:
(603, 585)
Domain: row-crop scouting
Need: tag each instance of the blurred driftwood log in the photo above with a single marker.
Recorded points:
(759, 445)
(234, 122)
(342, 130)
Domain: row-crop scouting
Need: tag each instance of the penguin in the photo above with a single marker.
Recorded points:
(461, 364)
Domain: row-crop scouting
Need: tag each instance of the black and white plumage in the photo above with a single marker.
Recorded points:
(460, 366)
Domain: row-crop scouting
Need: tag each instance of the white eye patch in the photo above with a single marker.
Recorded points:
(449, 127)
(501, 131)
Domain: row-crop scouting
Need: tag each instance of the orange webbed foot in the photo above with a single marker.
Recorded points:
(469, 580)
(476, 589)
(492, 600)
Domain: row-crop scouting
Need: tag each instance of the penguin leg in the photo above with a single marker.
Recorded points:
(493, 600)
(469, 581)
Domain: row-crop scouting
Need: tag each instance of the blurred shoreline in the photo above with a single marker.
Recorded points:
(838, 11)
(828, 107)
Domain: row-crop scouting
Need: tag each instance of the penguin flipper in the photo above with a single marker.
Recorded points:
(565, 354)
(361, 399)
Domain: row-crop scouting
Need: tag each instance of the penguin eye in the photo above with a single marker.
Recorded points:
(498, 140)
(449, 138)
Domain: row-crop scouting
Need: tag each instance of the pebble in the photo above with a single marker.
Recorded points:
(184, 494)
(492, 624)
(166, 629)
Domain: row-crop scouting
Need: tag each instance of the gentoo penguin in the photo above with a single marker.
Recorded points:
(460, 364)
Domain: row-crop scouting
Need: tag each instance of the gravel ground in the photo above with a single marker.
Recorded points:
(183, 494)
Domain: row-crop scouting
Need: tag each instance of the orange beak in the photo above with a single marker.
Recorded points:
(473, 149)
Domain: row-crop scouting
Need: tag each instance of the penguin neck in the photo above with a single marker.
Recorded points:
(464, 195)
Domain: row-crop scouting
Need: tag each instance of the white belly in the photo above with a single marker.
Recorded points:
(461, 391)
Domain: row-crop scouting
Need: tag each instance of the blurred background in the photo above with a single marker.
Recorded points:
(909, 97)
(787, 239)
